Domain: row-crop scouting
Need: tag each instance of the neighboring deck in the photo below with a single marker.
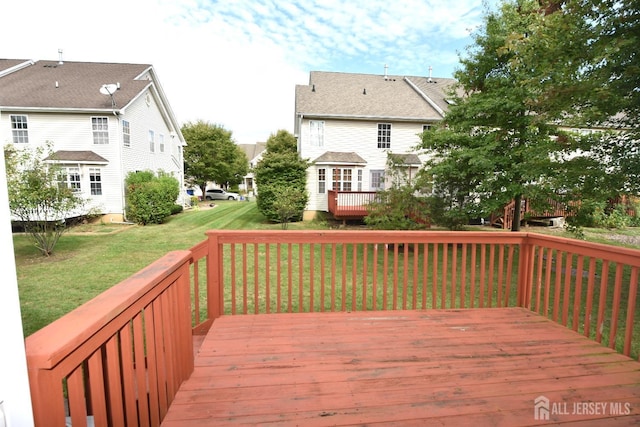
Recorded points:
(423, 367)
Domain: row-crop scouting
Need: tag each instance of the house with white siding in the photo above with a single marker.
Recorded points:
(348, 125)
(254, 153)
(103, 120)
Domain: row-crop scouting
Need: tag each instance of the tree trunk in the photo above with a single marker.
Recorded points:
(515, 226)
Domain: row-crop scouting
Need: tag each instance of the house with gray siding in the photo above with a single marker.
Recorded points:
(102, 120)
(348, 124)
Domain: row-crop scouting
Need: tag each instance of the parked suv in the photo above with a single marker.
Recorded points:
(220, 194)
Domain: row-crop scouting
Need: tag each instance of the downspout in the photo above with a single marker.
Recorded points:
(122, 187)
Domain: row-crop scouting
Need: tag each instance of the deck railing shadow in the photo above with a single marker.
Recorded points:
(119, 359)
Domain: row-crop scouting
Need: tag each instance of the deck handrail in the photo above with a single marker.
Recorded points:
(119, 358)
(511, 269)
(136, 338)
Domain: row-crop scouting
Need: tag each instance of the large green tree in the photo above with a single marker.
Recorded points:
(584, 60)
(212, 155)
(492, 126)
(281, 173)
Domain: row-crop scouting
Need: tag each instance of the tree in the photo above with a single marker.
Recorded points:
(397, 207)
(286, 205)
(455, 180)
(281, 171)
(37, 197)
(493, 126)
(587, 71)
(212, 155)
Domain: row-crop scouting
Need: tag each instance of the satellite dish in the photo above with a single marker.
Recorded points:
(108, 89)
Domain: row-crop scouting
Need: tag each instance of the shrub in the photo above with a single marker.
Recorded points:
(150, 199)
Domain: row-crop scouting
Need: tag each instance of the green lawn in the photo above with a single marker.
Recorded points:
(90, 259)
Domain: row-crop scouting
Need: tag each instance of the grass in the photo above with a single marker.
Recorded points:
(91, 258)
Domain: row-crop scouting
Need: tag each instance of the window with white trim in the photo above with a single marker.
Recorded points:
(316, 133)
(19, 129)
(152, 141)
(377, 180)
(100, 127)
(69, 177)
(161, 142)
(342, 179)
(384, 135)
(426, 128)
(359, 179)
(126, 133)
(95, 181)
(322, 180)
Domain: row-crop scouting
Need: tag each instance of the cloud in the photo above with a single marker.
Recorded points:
(236, 63)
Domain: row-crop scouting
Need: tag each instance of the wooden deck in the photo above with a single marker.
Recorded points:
(436, 367)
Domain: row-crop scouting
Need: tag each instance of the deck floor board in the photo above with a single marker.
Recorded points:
(438, 367)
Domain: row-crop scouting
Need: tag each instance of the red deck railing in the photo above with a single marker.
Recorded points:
(119, 359)
(135, 339)
(350, 204)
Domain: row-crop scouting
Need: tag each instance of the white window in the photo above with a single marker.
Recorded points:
(161, 142)
(384, 135)
(19, 129)
(342, 179)
(426, 128)
(359, 179)
(316, 133)
(100, 126)
(152, 142)
(377, 180)
(322, 180)
(95, 181)
(126, 134)
(69, 177)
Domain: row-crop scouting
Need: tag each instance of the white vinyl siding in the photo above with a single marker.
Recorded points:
(347, 136)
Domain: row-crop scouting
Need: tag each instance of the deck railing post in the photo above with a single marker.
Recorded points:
(215, 300)
(524, 273)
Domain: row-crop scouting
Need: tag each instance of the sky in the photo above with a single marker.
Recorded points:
(236, 63)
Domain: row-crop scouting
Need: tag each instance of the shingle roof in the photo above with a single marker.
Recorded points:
(77, 156)
(331, 94)
(409, 159)
(340, 157)
(69, 85)
(253, 150)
